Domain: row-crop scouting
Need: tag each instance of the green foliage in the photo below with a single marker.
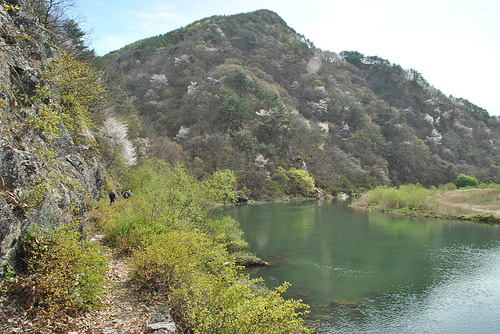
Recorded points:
(279, 182)
(124, 224)
(233, 111)
(301, 183)
(463, 180)
(213, 295)
(294, 182)
(225, 231)
(66, 273)
(7, 277)
(411, 196)
(448, 186)
(220, 187)
(228, 303)
(169, 259)
(34, 197)
(178, 248)
(176, 198)
(70, 90)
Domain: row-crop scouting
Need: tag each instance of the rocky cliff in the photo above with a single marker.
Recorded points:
(43, 180)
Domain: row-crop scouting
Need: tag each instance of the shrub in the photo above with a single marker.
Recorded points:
(171, 258)
(230, 303)
(66, 273)
(124, 224)
(301, 183)
(448, 186)
(212, 294)
(463, 180)
(75, 87)
(226, 231)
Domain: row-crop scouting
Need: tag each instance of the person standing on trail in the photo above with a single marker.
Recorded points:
(113, 196)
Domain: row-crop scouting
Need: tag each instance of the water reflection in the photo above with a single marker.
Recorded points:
(386, 274)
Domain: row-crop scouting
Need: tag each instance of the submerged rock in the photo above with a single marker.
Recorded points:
(345, 303)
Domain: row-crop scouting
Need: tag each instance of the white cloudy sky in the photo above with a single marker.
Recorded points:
(455, 44)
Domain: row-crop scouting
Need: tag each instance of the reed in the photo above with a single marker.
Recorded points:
(410, 196)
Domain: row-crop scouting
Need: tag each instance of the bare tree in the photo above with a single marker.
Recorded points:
(51, 13)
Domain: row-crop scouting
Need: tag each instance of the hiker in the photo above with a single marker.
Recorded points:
(113, 196)
(127, 194)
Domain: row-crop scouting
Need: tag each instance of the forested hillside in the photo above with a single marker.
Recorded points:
(248, 93)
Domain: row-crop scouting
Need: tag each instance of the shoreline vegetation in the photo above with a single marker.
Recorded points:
(176, 252)
(479, 203)
(171, 250)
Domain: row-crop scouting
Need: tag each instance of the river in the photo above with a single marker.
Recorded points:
(364, 272)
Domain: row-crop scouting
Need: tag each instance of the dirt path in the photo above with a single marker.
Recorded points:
(125, 310)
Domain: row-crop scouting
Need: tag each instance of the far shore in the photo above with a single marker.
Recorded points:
(477, 205)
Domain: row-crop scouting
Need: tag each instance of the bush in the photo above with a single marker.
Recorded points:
(170, 259)
(466, 181)
(448, 186)
(66, 273)
(301, 183)
(208, 289)
(229, 303)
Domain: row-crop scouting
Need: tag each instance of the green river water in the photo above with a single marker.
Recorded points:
(385, 274)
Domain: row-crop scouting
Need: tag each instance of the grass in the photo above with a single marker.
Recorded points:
(475, 204)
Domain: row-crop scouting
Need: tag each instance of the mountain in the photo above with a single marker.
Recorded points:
(248, 93)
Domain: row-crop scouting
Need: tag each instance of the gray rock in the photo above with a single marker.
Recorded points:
(161, 322)
(72, 178)
(160, 328)
(112, 331)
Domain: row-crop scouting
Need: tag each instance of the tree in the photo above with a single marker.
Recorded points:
(51, 13)
(72, 39)
(232, 111)
(114, 140)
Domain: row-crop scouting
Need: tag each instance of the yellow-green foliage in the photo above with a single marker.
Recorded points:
(124, 224)
(215, 297)
(176, 198)
(167, 197)
(294, 182)
(36, 194)
(411, 196)
(71, 88)
(172, 258)
(179, 248)
(447, 186)
(301, 183)
(78, 84)
(7, 8)
(230, 303)
(66, 274)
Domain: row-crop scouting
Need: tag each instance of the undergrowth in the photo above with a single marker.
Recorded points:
(178, 248)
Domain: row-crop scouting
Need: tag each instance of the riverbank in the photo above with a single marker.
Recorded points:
(477, 205)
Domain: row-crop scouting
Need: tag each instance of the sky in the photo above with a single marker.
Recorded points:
(454, 44)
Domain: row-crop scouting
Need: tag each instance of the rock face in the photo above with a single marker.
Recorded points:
(34, 188)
